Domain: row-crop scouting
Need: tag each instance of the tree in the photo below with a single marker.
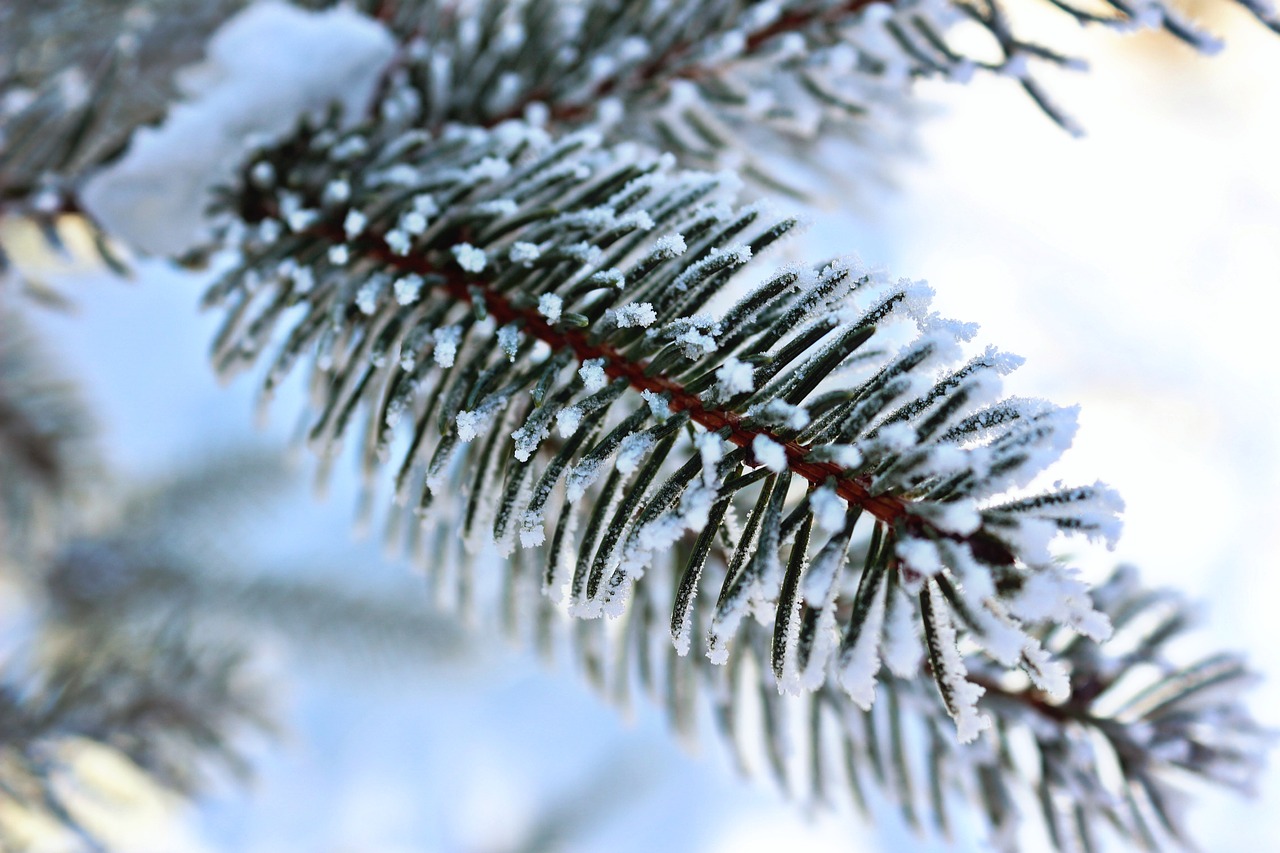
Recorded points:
(502, 298)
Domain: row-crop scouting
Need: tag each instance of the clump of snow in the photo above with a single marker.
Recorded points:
(532, 533)
(398, 241)
(921, 555)
(367, 296)
(497, 207)
(829, 508)
(412, 222)
(669, 246)
(425, 204)
(471, 424)
(470, 258)
(354, 223)
(336, 192)
(339, 255)
(1055, 594)
(446, 345)
(579, 478)
(269, 230)
(568, 420)
(736, 254)
(612, 277)
(488, 169)
(301, 219)
(408, 288)
(959, 517)
(735, 377)
(632, 450)
(524, 253)
(593, 376)
(844, 455)
(529, 436)
(634, 314)
(155, 196)
(509, 340)
(550, 306)
(658, 404)
(769, 453)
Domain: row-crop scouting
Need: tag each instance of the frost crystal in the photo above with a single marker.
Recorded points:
(528, 437)
(960, 694)
(658, 405)
(550, 305)
(769, 453)
(611, 277)
(593, 376)
(669, 246)
(632, 450)
(531, 532)
(470, 258)
(568, 420)
(447, 340)
(633, 314)
(580, 478)
(471, 424)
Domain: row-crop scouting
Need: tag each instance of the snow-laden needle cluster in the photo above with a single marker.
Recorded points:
(533, 311)
(814, 481)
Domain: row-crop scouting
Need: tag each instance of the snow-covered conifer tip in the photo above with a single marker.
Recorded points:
(816, 478)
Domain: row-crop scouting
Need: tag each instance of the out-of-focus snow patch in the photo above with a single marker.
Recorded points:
(265, 68)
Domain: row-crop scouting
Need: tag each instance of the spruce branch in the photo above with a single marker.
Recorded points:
(167, 704)
(713, 80)
(461, 295)
(47, 453)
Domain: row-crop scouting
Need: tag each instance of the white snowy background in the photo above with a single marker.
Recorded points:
(1135, 269)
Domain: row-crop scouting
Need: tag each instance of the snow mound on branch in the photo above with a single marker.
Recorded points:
(265, 68)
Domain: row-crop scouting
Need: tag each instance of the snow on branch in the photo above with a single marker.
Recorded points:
(521, 406)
